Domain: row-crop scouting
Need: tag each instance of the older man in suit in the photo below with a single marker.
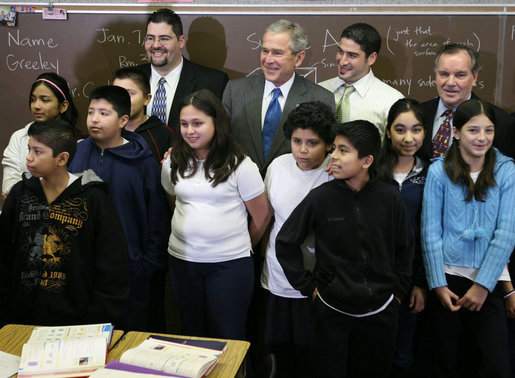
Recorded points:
(171, 75)
(259, 104)
(456, 71)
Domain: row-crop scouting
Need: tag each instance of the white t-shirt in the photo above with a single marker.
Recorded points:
(210, 224)
(286, 186)
(15, 158)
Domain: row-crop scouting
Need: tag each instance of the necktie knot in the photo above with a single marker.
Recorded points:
(276, 93)
(449, 113)
(162, 81)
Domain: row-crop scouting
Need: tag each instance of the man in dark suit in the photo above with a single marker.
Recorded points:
(456, 71)
(164, 42)
(247, 100)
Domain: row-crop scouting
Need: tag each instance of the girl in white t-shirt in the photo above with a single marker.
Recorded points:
(214, 189)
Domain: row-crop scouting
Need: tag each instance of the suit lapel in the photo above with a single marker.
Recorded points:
(430, 120)
(185, 86)
(254, 101)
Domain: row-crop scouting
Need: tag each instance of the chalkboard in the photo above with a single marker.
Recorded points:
(88, 47)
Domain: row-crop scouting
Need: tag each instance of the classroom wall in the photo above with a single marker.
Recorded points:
(88, 47)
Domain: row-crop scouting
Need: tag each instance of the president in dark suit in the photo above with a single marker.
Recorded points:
(456, 72)
(250, 101)
(171, 75)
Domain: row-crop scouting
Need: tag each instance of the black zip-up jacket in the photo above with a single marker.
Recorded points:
(364, 245)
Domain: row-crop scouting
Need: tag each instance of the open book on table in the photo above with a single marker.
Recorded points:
(65, 351)
(168, 356)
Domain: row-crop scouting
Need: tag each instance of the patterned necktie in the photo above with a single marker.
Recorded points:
(343, 108)
(159, 104)
(441, 139)
(273, 114)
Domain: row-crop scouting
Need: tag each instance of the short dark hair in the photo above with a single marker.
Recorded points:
(57, 134)
(169, 17)
(118, 97)
(454, 48)
(363, 136)
(59, 87)
(365, 36)
(135, 74)
(315, 116)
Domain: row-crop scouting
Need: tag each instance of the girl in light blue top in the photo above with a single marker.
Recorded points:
(468, 234)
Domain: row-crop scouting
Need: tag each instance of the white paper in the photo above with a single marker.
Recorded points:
(9, 364)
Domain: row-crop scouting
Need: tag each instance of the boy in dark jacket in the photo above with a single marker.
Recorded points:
(63, 254)
(364, 249)
(122, 159)
(158, 136)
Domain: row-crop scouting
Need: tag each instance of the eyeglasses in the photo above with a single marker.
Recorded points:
(163, 39)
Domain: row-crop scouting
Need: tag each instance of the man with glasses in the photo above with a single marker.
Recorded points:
(171, 75)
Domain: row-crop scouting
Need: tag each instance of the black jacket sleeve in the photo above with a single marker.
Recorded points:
(287, 247)
(111, 284)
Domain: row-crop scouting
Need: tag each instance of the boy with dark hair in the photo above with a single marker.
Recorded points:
(363, 247)
(358, 93)
(63, 254)
(159, 137)
(288, 179)
(123, 160)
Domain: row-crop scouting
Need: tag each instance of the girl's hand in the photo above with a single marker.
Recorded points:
(417, 300)
(447, 297)
(473, 298)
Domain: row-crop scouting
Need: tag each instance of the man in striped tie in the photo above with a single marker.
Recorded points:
(171, 75)
(456, 72)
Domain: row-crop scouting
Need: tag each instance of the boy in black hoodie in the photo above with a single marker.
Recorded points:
(63, 254)
(158, 136)
(364, 247)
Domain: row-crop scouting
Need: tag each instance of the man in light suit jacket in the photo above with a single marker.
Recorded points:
(456, 71)
(247, 99)
(164, 42)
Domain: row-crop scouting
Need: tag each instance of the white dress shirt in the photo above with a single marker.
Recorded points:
(172, 79)
(371, 99)
(268, 95)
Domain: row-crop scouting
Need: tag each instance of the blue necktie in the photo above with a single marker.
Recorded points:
(273, 114)
(159, 104)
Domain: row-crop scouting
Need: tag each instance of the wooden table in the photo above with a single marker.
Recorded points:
(228, 365)
(13, 336)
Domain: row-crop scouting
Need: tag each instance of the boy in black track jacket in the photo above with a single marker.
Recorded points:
(364, 248)
(63, 254)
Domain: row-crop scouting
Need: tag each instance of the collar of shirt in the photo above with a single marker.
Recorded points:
(440, 117)
(268, 95)
(360, 87)
(285, 89)
(172, 80)
(170, 77)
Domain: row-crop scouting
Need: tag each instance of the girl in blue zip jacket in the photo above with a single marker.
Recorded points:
(399, 166)
(468, 234)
